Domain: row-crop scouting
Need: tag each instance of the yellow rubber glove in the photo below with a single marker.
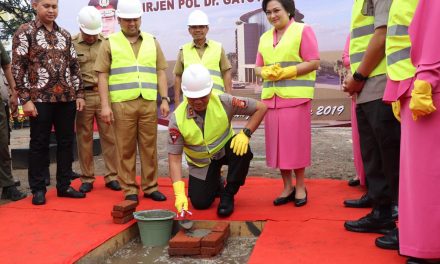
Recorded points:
(240, 144)
(271, 72)
(288, 73)
(421, 99)
(181, 200)
(396, 109)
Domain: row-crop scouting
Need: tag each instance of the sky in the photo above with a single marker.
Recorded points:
(329, 19)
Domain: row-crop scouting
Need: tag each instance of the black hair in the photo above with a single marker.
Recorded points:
(288, 5)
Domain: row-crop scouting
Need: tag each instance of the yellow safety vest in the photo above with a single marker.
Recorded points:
(398, 44)
(361, 32)
(200, 146)
(210, 59)
(286, 53)
(131, 77)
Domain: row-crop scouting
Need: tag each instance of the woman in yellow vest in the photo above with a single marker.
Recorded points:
(287, 61)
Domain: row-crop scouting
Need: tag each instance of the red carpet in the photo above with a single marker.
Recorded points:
(64, 230)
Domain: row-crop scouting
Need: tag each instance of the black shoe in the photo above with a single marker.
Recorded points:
(420, 261)
(74, 175)
(283, 200)
(12, 193)
(132, 197)
(86, 187)
(394, 211)
(156, 196)
(389, 241)
(363, 202)
(226, 206)
(71, 193)
(371, 224)
(353, 182)
(39, 198)
(47, 181)
(113, 185)
(301, 202)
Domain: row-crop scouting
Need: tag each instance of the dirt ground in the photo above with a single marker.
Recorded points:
(331, 156)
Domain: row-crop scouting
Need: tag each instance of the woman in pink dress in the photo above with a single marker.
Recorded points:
(287, 61)
(358, 165)
(419, 186)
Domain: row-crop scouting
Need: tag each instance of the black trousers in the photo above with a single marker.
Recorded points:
(203, 192)
(379, 134)
(62, 117)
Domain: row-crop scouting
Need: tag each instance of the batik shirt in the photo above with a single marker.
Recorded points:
(45, 65)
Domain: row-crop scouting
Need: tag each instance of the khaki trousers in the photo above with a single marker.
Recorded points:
(135, 125)
(84, 138)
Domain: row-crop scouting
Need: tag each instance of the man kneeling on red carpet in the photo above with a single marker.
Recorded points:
(201, 127)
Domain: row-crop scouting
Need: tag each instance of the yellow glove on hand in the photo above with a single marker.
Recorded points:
(288, 73)
(421, 99)
(271, 72)
(181, 200)
(396, 109)
(239, 144)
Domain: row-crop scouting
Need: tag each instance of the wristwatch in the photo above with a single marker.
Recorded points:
(166, 98)
(359, 77)
(247, 132)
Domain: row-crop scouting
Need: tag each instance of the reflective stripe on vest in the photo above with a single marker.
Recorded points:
(200, 146)
(210, 59)
(398, 43)
(362, 30)
(129, 76)
(286, 53)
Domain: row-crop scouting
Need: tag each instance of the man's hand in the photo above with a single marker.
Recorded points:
(13, 103)
(29, 109)
(80, 104)
(181, 202)
(351, 86)
(107, 115)
(240, 144)
(164, 108)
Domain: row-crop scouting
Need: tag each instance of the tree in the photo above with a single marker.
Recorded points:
(14, 13)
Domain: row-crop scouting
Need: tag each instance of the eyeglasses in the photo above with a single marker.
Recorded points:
(198, 27)
(128, 20)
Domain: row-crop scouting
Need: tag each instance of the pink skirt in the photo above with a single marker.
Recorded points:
(288, 137)
(419, 183)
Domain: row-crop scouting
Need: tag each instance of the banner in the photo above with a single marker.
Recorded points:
(238, 25)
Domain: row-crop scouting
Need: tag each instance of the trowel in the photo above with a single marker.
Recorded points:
(186, 224)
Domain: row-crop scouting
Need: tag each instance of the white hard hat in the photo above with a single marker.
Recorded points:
(129, 9)
(89, 20)
(198, 18)
(196, 81)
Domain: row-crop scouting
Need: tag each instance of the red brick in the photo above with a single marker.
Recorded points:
(125, 205)
(121, 214)
(227, 234)
(183, 251)
(123, 220)
(211, 251)
(181, 240)
(221, 227)
(213, 239)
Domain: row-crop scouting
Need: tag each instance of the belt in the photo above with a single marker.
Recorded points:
(91, 88)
